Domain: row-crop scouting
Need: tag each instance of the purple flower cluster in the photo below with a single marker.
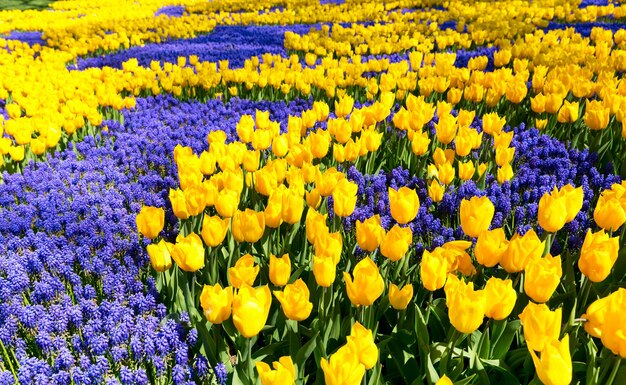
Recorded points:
(30, 37)
(541, 163)
(232, 43)
(170, 11)
(77, 302)
(585, 28)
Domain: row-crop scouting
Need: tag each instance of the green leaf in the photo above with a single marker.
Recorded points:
(502, 344)
(304, 353)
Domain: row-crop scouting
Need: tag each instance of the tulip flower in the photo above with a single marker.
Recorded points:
(195, 199)
(345, 197)
(179, 206)
(284, 372)
(343, 367)
(492, 123)
(555, 365)
(295, 300)
(505, 173)
(248, 226)
(280, 269)
(216, 302)
(404, 204)
(436, 191)
(598, 255)
(400, 298)
(364, 345)
(521, 250)
(226, 203)
(552, 212)
(214, 230)
(368, 284)
(369, 233)
(501, 298)
(160, 257)
(466, 307)
(433, 269)
(329, 244)
(188, 253)
(609, 213)
(446, 128)
(327, 181)
(250, 309)
(540, 325)
(150, 221)
(244, 272)
(595, 316)
(614, 328)
(476, 215)
(324, 270)
(315, 225)
(573, 200)
(466, 170)
(444, 380)
(396, 242)
(543, 276)
(596, 115)
(490, 247)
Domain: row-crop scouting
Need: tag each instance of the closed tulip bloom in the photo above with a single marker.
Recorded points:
(315, 225)
(490, 247)
(492, 123)
(543, 276)
(245, 128)
(400, 298)
(555, 365)
(160, 257)
(446, 128)
(596, 115)
(216, 303)
(280, 269)
(573, 200)
(476, 215)
(324, 270)
(214, 230)
(343, 367)
(396, 242)
(327, 181)
(177, 199)
(466, 170)
(284, 372)
(505, 173)
(552, 213)
(227, 202)
(609, 213)
(404, 204)
(250, 309)
(501, 298)
(568, 113)
(444, 380)
(244, 272)
(521, 250)
(274, 209)
(251, 160)
(598, 255)
(433, 269)
(369, 233)
(614, 329)
(466, 307)
(248, 226)
(295, 300)
(596, 316)
(540, 325)
(364, 344)
(445, 173)
(368, 284)
(150, 221)
(188, 253)
(313, 198)
(344, 197)
(436, 191)
(420, 143)
(504, 155)
(292, 206)
(329, 244)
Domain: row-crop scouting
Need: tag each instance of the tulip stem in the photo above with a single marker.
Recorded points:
(586, 288)
(618, 361)
(250, 362)
(443, 368)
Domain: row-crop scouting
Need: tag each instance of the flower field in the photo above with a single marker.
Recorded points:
(336, 192)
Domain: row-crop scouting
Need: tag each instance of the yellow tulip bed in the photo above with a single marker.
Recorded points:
(313, 192)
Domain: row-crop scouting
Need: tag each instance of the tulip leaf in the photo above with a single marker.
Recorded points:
(268, 350)
(374, 377)
(503, 374)
(304, 352)
(403, 355)
(502, 343)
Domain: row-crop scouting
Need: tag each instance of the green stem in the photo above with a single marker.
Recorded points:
(611, 380)
(443, 368)
(8, 360)
(250, 364)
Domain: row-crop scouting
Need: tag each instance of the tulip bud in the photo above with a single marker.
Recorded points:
(598, 255)
(244, 272)
(345, 197)
(315, 225)
(368, 284)
(280, 269)
(540, 325)
(543, 276)
(433, 269)
(150, 221)
(295, 300)
(444, 380)
(490, 246)
(159, 253)
(369, 233)
(436, 191)
(292, 206)
(501, 298)
(226, 203)
(250, 309)
(324, 270)
(400, 298)
(404, 204)
(552, 212)
(476, 215)
(188, 253)
(216, 303)
(555, 365)
(492, 123)
(177, 199)
(396, 242)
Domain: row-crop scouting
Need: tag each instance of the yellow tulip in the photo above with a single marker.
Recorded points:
(345, 197)
(595, 316)
(466, 170)
(250, 309)
(521, 251)
(543, 276)
(226, 203)
(573, 200)
(150, 221)
(343, 367)
(195, 199)
(179, 206)
(444, 380)
(292, 206)
(368, 284)
(280, 269)
(433, 269)
(244, 272)
(609, 213)
(396, 242)
(216, 303)
(476, 215)
(596, 115)
(188, 253)
(214, 230)
(369, 233)
(540, 325)
(501, 298)
(555, 365)
(324, 270)
(436, 191)
(284, 372)
(400, 298)
(363, 342)
(614, 328)
(248, 226)
(329, 244)
(598, 255)
(466, 307)
(446, 128)
(160, 257)
(490, 247)
(492, 123)
(552, 212)
(295, 300)
(404, 204)
(315, 225)
(505, 173)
